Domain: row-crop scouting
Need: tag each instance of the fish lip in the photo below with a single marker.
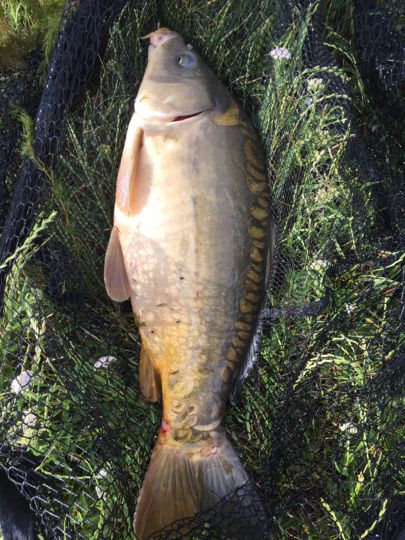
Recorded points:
(165, 120)
(186, 117)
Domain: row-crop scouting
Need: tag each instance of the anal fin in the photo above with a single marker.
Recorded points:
(149, 378)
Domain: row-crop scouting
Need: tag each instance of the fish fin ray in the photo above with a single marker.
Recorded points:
(257, 336)
(181, 483)
(149, 378)
(125, 196)
(249, 362)
(271, 255)
(115, 275)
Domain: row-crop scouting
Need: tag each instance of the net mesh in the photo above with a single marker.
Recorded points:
(318, 423)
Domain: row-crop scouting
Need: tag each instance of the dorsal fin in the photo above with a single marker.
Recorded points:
(256, 168)
(256, 339)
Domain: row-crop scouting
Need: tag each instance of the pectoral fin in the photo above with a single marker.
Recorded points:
(149, 378)
(115, 275)
(125, 197)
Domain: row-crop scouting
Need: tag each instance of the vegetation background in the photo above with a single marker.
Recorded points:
(318, 424)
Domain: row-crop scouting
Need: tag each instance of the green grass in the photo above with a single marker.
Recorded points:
(318, 426)
(26, 25)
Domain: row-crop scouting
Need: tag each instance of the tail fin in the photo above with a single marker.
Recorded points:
(183, 480)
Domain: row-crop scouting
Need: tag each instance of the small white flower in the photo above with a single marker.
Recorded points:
(280, 53)
(350, 308)
(189, 46)
(21, 381)
(102, 473)
(314, 84)
(308, 100)
(318, 264)
(29, 419)
(349, 427)
(104, 362)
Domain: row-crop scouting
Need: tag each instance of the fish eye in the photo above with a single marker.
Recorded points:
(186, 60)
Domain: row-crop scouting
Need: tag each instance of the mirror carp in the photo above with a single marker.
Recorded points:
(190, 248)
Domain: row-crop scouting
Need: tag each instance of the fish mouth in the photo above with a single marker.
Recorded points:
(187, 116)
(164, 118)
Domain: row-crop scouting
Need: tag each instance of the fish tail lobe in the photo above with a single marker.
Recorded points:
(185, 479)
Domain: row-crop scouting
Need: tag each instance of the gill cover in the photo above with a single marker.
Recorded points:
(176, 82)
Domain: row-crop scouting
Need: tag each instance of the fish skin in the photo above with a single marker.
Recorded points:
(193, 218)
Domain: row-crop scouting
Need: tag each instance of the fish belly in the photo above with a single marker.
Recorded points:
(186, 253)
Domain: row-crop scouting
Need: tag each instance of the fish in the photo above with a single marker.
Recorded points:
(191, 248)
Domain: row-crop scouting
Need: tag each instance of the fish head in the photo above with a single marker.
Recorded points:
(177, 83)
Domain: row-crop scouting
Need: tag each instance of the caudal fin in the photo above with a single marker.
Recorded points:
(183, 480)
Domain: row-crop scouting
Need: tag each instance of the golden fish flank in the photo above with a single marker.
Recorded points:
(190, 249)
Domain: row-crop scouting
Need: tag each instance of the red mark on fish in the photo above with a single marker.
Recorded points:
(165, 427)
